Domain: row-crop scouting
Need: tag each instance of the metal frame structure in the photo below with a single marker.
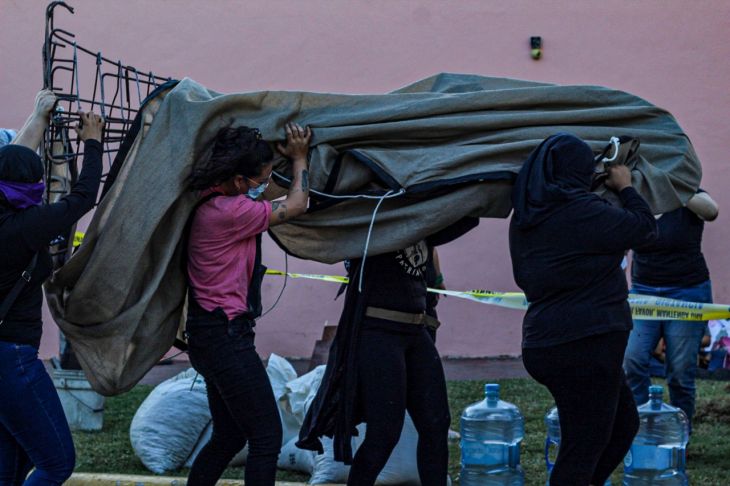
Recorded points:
(119, 91)
(118, 94)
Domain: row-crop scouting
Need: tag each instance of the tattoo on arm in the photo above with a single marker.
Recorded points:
(279, 208)
(305, 180)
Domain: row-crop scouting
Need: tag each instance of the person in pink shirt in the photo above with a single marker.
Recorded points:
(225, 273)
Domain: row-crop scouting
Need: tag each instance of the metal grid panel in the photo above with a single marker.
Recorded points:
(84, 80)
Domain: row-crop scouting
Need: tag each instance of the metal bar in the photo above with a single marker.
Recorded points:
(95, 54)
(76, 77)
(57, 63)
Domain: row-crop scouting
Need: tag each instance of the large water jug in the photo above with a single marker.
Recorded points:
(552, 442)
(657, 456)
(491, 434)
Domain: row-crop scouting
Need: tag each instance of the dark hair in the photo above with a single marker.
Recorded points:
(236, 151)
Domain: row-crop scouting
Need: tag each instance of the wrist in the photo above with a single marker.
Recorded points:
(621, 191)
(43, 112)
(39, 120)
(439, 280)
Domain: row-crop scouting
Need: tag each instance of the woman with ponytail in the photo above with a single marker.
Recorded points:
(224, 272)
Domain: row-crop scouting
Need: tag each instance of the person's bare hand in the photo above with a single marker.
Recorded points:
(45, 100)
(619, 177)
(90, 126)
(297, 142)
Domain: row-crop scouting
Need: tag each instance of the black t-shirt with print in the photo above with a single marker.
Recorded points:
(396, 279)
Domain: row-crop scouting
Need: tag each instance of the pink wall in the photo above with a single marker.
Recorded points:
(671, 54)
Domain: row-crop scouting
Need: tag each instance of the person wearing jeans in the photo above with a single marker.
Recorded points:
(33, 430)
(672, 267)
(34, 433)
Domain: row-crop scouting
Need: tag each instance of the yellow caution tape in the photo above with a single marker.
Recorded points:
(326, 278)
(642, 306)
(78, 238)
(659, 308)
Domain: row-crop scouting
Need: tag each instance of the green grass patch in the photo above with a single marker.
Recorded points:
(109, 450)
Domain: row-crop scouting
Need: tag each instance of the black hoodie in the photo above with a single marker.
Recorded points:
(26, 232)
(567, 245)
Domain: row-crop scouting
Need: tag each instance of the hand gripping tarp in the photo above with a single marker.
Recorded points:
(450, 145)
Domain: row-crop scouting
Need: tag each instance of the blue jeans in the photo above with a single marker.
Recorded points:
(683, 340)
(33, 427)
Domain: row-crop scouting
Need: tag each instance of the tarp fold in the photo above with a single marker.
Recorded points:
(450, 145)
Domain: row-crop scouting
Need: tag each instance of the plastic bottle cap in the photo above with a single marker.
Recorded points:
(491, 388)
(656, 390)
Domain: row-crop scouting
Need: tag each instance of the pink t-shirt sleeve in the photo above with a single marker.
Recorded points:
(248, 218)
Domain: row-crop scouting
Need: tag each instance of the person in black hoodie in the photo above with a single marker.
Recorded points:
(567, 245)
(33, 428)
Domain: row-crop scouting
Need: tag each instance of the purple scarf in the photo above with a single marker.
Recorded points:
(22, 195)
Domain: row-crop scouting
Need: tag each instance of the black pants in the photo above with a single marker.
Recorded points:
(598, 417)
(399, 369)
(241, 400)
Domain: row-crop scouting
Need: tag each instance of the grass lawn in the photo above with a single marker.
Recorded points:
(109, 451)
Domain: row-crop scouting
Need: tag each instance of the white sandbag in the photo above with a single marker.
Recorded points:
(293, 458)
(326, 469)
(202, 440)
(280, 373)
(299, 394)
(237, 461)
(401, 468)
(167, 425)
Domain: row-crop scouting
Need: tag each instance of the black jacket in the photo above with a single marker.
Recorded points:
(567, 245)
(29, 231)
(569, 267)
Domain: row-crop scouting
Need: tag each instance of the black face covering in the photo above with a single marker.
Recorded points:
(20, 164)
(559, 170)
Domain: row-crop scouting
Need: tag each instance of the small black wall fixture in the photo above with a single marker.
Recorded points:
(536, 47)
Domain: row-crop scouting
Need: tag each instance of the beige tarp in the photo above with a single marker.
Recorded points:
(450, 144)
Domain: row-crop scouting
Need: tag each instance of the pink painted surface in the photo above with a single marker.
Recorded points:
(672, 55)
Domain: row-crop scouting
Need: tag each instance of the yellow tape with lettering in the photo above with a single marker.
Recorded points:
(642, 306)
